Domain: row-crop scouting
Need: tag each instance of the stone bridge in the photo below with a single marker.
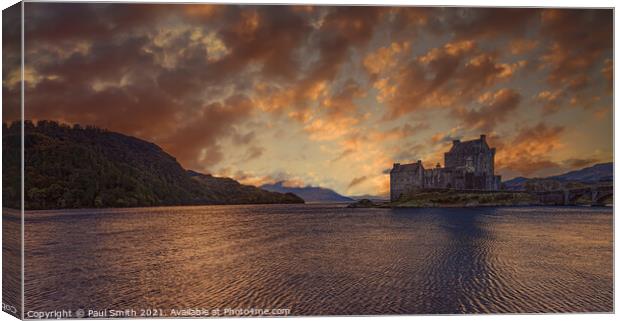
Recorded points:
(598, 195)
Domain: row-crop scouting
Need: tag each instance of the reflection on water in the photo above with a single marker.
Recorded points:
(11, 262)
(322, 259)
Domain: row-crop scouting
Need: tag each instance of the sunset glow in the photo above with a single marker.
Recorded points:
(327, 96)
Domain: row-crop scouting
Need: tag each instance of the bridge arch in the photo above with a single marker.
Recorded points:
(603, 198)
(574, 195)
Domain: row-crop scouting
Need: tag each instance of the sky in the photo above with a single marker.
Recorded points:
(325, 95)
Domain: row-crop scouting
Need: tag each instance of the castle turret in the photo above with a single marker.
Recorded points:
(405, 178)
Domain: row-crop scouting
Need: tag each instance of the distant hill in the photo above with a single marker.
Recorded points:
(515, 184)
(598, 172)
(308, 193)
(588, 175)
(76, 167)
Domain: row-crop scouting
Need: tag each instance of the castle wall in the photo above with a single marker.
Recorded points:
(474, 157)
(436, 178)
(468, 165)
(405, 179)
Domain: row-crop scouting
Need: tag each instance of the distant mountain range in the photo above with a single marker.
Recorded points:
(88, 167)
(308, 193)
(588, 175)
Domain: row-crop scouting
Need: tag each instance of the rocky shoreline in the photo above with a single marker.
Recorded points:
(454, 199)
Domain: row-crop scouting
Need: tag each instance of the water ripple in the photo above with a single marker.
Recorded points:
(322, 259)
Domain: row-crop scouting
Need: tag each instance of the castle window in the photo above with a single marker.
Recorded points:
(469, 164)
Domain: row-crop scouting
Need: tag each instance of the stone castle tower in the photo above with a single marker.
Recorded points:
(468, 165)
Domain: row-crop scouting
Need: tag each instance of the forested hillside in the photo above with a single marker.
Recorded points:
(85, 167)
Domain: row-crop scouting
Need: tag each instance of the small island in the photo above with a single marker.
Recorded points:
(455, 198)
(468, 180)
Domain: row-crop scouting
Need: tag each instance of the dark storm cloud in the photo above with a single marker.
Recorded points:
(477, 23)
(11, 62)
(197, 141)
(188, 77)
(341, 29)
(61, 22)
(578, 39)
(267, 35)
(116, 81)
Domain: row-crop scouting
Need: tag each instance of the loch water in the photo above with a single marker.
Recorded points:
(321, 259)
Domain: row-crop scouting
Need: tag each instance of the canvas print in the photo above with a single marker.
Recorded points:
(205, 160)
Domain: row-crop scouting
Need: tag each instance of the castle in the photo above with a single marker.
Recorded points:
(468, 165)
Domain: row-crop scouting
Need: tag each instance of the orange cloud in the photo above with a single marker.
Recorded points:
(496, 108)
(448, 76)
(341, 104)
(385, 58)
(551, 100)
(522, 46)
(192, 78)
(323, 129)
(608, 73)
(529, 151)
(201, 10)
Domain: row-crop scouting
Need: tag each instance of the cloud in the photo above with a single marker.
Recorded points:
(441, 138)
(385, 57)
(578, 163)
(520, 46)
(254, 152)
(529, 151)
(344, 154)
(153, 73)
(267, 36)
(340, 30)
(551, 100)
(356, 181)
(197, 145)
(322, 129)
(341, 104)
(202, 11)
(400, 132)
(368, 82)
(577, 41)
(476, 23)
(608, 73)
(447, 76)
(496, 107)
(409, 152)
